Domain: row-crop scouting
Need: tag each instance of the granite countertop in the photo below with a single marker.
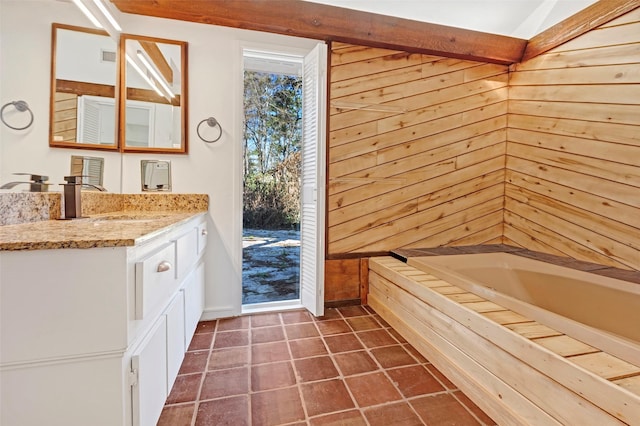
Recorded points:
(113, 229)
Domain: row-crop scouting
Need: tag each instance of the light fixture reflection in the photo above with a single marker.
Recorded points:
(108, 15)
(155, 73)
(88, 13)
(144, 76)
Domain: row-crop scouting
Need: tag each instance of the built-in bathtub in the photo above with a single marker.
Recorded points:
(600, 311)
(530, 342)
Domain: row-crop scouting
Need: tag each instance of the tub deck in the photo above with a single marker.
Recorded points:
(517, 370)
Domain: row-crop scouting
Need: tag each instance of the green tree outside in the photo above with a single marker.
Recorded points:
(272, 144)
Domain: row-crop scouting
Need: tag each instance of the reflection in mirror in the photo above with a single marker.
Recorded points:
(91, 168)
(155, 93)
(83, 82)
(155, 175)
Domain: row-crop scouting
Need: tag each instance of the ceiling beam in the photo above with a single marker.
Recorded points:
(330, 23)
(587, 19)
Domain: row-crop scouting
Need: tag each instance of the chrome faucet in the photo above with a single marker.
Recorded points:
(73, 195)
(37, 183)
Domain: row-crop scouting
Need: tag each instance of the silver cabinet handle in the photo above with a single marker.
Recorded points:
(204, 232)
(164, 266)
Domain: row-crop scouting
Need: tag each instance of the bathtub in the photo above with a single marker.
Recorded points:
(600, 311)
(472, 316)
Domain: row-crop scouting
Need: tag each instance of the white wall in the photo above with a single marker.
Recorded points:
(215, 59)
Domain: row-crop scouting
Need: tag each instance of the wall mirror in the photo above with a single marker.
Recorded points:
(83, 107)
(154, 90)
(155, 175)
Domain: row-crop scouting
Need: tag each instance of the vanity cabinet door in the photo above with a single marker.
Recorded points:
(193, 301)
(149, 366)
(175, 338)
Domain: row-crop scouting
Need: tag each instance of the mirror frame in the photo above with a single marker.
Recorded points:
(184, 149)
(53, 83)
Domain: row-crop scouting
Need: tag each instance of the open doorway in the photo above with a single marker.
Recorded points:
(284, 179)
(271, 178)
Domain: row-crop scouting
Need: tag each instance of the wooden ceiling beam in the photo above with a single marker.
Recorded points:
(330, 23)
(593, 16)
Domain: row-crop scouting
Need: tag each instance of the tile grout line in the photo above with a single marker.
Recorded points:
(340, 374)
(386, 374)
(369, 313)
(196, 406)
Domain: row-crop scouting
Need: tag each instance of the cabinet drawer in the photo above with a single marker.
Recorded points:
(155, 280)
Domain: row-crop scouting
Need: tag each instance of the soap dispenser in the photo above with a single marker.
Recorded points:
(72, 197)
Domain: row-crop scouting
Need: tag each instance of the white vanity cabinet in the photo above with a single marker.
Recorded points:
(97, 336)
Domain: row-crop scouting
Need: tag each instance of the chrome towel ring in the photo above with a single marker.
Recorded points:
(20, 106)
(211, 122)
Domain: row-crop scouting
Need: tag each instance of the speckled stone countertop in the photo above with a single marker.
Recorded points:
(113, 220)
(106, 230)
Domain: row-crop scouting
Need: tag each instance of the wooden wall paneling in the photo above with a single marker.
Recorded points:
(490, 235)
(443, 156)
(573, 151)
(605, 55)
(621, 94)
(455, 225)
(338, 184)
(602, 74)
(584, 226)
(515, 236)
(342, 279)
(621, 32)
(410, 183)
(601, 168)
(583, 200)
(364, 280)
(469, 225)
(597, 14)
(362, 222)
(422, 137)
(366, 231)
(612, 113)
(444, 181)
(474, 132)
(595, 149)
(65, 113)
(387, 164)
(625, 194)
(610, 132)
(570, 240)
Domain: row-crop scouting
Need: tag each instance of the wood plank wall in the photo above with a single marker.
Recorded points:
(416, 151)
(573, 148)
(64, 117)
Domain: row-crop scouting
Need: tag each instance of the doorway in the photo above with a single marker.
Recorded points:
(283, 174)
(271, 178)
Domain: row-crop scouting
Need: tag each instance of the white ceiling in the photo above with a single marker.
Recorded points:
(515, 18)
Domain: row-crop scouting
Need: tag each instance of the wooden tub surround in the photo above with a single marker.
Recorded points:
(519, 371)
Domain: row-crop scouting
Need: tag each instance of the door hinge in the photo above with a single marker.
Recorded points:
(133, 377)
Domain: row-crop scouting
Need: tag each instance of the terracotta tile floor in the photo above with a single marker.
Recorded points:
(346, 368)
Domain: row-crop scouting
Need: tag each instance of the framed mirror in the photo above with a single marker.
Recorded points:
(83, 104)
(153, 113)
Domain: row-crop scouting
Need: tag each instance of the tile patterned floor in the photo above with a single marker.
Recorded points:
(346, 368)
